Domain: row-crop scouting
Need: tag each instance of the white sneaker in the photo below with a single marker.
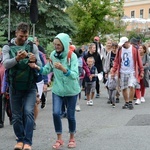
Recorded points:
(138, 102)
(88, 103)
(78, 108)
(91, 102)
(142, 99)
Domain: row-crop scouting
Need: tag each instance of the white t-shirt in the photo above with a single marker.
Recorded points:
(127, 64)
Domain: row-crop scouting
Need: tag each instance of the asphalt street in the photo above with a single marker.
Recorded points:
(99, 127)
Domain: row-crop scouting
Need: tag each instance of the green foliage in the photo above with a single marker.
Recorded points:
(49, 49)
(52, 19)
(3, 40)
(94, 17)
(135, 34)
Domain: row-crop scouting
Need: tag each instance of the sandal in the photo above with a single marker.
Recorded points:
(27, 147)
(58, 144)
(18, 146)
(72, 143)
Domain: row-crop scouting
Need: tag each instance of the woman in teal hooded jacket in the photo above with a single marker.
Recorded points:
(65, 86)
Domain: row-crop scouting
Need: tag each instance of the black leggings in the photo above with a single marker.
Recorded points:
(97, 85)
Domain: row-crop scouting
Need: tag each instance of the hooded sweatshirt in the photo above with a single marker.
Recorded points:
(64, 84)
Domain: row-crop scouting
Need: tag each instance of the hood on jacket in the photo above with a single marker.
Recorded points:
(13, 41)
(65, 39)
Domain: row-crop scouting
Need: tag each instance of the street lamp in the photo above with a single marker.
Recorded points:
(120, 15)
(9, 9)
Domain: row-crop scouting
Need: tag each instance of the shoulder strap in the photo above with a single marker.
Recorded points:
(69, 57)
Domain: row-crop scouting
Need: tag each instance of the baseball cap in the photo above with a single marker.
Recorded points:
(123, 40)
(96, 38)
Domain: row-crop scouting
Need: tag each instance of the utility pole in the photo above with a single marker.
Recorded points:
(9, 10)
(120, 15)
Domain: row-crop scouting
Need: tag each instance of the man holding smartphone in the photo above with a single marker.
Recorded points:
(22, 86)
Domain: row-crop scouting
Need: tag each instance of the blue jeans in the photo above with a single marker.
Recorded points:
(57, 109)
(22, 105)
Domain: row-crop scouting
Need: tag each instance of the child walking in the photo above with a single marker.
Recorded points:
(83, 68)
(90, 82)
(112, 89)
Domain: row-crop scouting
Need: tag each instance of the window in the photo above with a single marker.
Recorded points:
(132, 14)
(141, 13)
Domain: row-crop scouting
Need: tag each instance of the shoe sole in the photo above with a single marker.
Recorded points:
(77, 110)
(137, 103)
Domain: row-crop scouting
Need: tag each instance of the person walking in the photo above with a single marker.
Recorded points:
(90, 81)
(111, 83)
(22, 85)
(2, 71)
(98, 64)
(128, 63)
(65, 86)
(144, 83)
(108, 65)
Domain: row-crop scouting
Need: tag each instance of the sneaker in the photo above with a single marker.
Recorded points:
(43, 105)
(34, 126)
(91, 102)
(130, 106)
(97, 95)
(138, 102)
(125, 106)
(78, 108)
(1, 125)
(88, 103)
(113, 105)
(109, 102)
(142, 99)
(117, 100)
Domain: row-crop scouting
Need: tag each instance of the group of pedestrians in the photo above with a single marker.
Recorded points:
(124, 65)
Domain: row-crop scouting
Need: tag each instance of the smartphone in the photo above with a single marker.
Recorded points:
(20, 51)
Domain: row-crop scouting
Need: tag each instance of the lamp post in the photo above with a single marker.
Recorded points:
(9, 9)
(119, 17)
(119, 24)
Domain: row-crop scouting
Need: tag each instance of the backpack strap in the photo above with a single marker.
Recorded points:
(69, 57)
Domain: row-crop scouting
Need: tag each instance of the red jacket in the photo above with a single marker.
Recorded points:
(139, 70)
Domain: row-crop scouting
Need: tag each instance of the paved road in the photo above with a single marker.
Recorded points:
(99, 127)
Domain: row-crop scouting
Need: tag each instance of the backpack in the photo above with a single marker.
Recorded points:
(80, 62)
(21, 76)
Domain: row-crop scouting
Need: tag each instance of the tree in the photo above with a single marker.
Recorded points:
(94, 17)
(3, 39)
(52, 19)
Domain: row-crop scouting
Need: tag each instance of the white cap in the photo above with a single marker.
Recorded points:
(123, 40)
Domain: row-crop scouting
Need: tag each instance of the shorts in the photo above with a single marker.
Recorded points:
(127, 80)
(90, 87)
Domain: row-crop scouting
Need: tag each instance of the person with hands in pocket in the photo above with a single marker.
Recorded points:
(65, 86)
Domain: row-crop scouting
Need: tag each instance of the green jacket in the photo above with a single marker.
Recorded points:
(64, 85)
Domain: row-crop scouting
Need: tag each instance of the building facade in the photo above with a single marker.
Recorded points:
(136, 15)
